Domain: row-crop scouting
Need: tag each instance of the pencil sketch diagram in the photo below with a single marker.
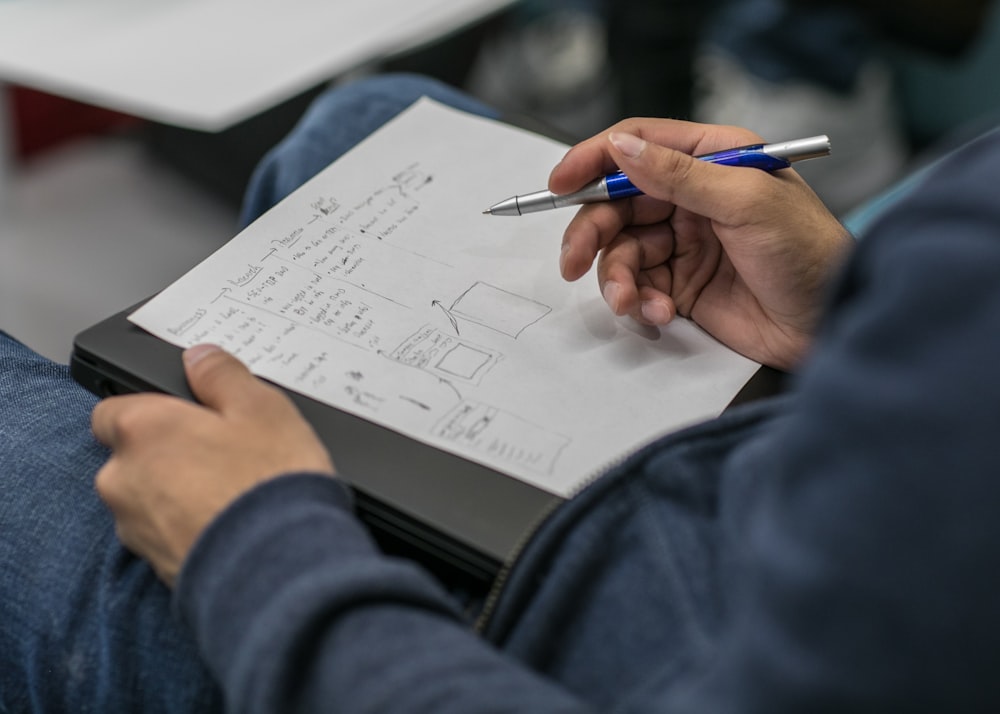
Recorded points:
(497, 309)
(411, 179)
(379, 214)
(323, 207)
(383, 212)
(357, 393)
(501, 436)
(447, 313)
(446, 357)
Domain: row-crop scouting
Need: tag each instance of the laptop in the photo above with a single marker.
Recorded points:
(461, 519)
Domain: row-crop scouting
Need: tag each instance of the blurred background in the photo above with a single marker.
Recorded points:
(100, 208)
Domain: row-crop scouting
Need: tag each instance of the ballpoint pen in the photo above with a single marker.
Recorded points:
(768, 157)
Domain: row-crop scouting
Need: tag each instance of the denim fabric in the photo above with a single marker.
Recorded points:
(86, 627)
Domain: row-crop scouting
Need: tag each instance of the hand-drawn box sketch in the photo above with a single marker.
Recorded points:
(445, 356)
(498, 309)
(501, 436)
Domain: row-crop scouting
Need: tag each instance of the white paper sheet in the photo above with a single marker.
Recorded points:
(207, 64)
(380, 288)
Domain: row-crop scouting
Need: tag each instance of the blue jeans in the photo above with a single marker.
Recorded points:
(84, 625)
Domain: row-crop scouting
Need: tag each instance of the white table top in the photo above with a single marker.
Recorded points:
(208, 64)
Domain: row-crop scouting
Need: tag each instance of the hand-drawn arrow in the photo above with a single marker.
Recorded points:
(454, 322)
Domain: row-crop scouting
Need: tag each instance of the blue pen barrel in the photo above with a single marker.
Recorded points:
(766, 157)
(749, 156)
(619, 186)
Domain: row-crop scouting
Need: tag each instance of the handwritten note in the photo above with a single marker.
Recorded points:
(380, 288)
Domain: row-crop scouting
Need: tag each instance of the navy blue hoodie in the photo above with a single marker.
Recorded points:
(834, 549)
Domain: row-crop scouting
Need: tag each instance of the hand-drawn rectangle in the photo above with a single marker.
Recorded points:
(501, 436)
(445, 356)
(463, 361)
(498, 309)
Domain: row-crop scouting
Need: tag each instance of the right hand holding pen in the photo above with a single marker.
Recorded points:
(744, 253)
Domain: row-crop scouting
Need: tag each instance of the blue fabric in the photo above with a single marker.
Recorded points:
(613, 605)
(860, 219)
(85, 626)
(826, 552)
(831, 551)
(823, 552)
(866, 553)
(621, 596)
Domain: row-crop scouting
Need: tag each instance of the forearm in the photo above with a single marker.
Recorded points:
(295, 609)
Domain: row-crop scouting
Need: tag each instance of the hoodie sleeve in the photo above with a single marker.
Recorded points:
(296, 610)
(862, 577)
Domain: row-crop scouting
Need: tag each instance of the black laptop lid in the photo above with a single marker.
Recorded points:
(455, 512)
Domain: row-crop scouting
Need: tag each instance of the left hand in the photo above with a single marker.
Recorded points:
(176, 465)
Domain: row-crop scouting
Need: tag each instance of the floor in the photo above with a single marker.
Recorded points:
(92, 227)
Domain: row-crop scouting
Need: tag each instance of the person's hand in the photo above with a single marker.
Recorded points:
(176, 465)
(744, 253)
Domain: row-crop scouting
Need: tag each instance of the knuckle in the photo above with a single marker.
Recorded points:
(130, 424)
(274, 397)
(124, 535)
(102, 481)
(106, 484)
(138, 417)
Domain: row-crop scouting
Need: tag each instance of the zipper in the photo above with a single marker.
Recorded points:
(619, 465)
(503, 575)
(497, 586)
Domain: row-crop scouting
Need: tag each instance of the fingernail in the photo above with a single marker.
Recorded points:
(562, 258)
(655, 311)
(611, 291)
(193, 355)
(629, 144)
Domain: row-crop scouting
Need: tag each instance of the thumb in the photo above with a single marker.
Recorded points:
(218, 380)
(684, 180)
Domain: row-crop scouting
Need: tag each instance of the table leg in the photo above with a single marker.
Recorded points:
(6, 188)
(7, 152)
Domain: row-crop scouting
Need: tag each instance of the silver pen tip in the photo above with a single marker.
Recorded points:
(487, 212)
